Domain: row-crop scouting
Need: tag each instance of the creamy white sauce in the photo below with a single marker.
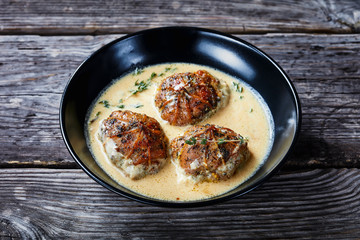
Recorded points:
(246, 113)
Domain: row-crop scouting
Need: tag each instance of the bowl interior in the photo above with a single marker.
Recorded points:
(180, 44)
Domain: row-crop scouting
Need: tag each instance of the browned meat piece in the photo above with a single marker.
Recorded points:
(134, 142)
(187, 98)
(208, 153)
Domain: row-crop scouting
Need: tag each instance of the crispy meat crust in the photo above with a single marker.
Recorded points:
(213, 159)
(187, 98)
(137, 137)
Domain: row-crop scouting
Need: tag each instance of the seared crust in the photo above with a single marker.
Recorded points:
(187, 98)
(134, 142)
(208, 153)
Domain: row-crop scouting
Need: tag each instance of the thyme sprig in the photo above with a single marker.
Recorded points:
(166, 70)
(140, 86)
(204, 141)
(143, 84)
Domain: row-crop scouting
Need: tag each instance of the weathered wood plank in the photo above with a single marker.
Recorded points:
(103, 17)
(58, 204)
(326, 72)
(324, 68)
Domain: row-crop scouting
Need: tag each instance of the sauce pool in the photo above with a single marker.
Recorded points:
(246, 113)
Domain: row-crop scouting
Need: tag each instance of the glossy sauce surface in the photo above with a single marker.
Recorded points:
(245, 113)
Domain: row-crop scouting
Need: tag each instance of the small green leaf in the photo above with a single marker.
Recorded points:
(237, 87)
(221, 141)
(105, 103)
(153, 75)
(95, 118)
(203, 141)
(138, 71)
(191, 141)
(138, 105)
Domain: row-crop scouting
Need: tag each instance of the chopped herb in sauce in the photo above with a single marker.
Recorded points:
(152, 75)
(251, 110)
(95, 118)
(138, 105)
(237, 87)
(137, 71)
(167, 69)
(143, 85)
(121, 106)
(105, 103)
(204, 141)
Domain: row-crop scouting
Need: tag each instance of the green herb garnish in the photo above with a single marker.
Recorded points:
(167, 69)
(105, 103)
(95, 118)
(191, 141)
(237, 87)
(137, 71)
(121, 106)
(138, 105)
(204, 141)
(153, 75)
(143, 85)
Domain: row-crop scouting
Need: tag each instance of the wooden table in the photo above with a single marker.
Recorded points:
(44, 194)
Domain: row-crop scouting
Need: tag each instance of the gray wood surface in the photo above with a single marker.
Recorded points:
(43, 194)
(103, 17)
(35, 69)
(58, 204)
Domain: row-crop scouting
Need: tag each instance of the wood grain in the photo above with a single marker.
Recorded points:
(57, 204)
(49, 17)
(44, 196)
(324, 68)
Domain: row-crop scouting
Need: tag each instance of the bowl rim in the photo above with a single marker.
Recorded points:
(195, 203)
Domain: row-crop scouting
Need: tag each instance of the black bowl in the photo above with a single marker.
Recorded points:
(180, 44)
